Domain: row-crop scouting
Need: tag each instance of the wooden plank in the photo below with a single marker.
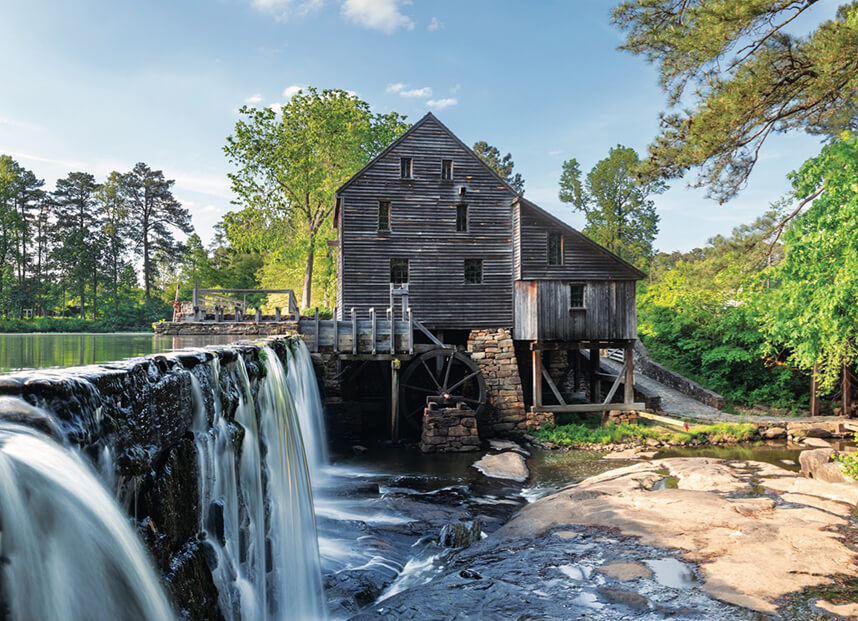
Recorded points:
(665, 420)
(553, 386)
(336, 324)
(589, 407)
(629, 382)
(537, 378)
(616, 385)
(425, 331)
(595, 384)
(373, 337)
(354, 331)
(394, 400)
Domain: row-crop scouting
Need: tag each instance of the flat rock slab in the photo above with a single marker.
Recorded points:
(510, 465)
(631, 453)
(625, 571)
(757, 532)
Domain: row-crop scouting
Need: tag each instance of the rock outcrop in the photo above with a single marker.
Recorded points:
(508, 465)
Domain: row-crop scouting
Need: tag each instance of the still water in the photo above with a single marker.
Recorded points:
(36, 351)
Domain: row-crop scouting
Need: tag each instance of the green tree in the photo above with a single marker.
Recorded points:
(502, 165)
(735, 74)
(152, 214)
(615, 200)
(288, 167)
(810, 310)
(115, 230)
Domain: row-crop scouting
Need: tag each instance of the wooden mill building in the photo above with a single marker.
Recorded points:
(429, 218)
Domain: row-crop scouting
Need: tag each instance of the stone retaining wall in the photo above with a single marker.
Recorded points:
(449, 430)
(652, 369)
(228, 328)
(494, 354)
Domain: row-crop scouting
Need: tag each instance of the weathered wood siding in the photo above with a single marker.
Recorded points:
(423, 230)
(542, 311)
(582, 260)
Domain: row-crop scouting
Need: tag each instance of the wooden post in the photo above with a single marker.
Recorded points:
(276, 313)
(410, 332)
(372, 329)
(258, 316)
(195, 303)
(336, 331)
(846, 385)
(392, 313)
(629, 381)
(537, 377)
(814, 400)
(595, 383)
(354, 331)
(394, 400)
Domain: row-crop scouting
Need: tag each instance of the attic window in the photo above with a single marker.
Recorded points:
(383, 215)
(576, 296)
(446, 169)
(461, 218)
(405, 167)
(473, 271)
(555, 249)
(399, 271)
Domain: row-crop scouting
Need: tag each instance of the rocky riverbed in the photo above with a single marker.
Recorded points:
(679, 538)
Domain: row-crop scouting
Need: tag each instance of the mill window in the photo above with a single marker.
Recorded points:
(576, 296)
(447, 169)
(555, 249)
(405, 167)
(399, 271)
(383, 215)
(461, 217)
(473, 271)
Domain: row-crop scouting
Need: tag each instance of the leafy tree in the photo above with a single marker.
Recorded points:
(735, 74)
(153, 212)
(810, 310)
(77, 232)
(290, 165)
(115, 230)
(615, 200)
(503, 166)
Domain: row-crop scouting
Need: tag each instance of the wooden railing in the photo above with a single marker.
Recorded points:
(219, 305)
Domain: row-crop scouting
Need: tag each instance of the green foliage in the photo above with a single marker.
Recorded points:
(735, 74)
(812, 310)
(699, 317)
(502, 165)
(288, 168)
(615, 200)
(583, 434)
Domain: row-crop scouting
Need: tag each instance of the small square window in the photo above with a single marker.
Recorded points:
(576, 296)
(555, 249)
(383, 215)
(461, 217)
(399, 271)
(473, 271)
(405, 167)
(447, 169)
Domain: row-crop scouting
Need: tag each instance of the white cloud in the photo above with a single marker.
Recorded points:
(435, 24)
(291, 91)
(210, 185)
(210, 208)
(277, 107)
(254, 99)
(442, 103)
(426, 91)
(383, 15)
(395, 88)
(284, 9)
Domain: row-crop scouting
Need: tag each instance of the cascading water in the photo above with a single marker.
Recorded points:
(308, 403)
(66, 549)
(257, 508)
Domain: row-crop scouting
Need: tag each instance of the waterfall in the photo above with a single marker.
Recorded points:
(66, 549)
(308, 402)
(267, 562)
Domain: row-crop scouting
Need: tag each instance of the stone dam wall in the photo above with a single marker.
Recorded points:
(134, 421)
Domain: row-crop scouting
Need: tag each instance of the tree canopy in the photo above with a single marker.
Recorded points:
(615, 200)
(734, 74)
(288, 167)
(502, 165)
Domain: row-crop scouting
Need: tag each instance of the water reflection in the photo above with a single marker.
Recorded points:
(36, 351)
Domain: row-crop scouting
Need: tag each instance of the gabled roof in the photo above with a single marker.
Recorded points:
(578, 235)
(427, 117)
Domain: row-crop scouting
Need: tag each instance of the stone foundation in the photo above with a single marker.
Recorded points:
(537, 420)
(449, 430)
(619, 417)
(494, 354)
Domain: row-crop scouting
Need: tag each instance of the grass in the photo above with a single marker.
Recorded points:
(583, 433)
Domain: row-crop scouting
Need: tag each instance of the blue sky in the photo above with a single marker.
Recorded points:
(98, 85)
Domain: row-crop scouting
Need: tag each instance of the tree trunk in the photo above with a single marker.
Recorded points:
(308, 276)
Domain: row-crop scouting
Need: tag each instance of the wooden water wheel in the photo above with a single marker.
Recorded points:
(445, 376)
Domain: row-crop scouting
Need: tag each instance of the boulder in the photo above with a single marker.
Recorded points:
(509, 465)
(774, 433)
(461, 534)
(816, 443)
(817, 464)
(625, 571)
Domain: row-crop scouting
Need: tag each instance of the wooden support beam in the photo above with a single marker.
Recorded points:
(394, 400)
(665, 420)
(391, 312)
(589, 407)
(814, 399)
(537, 378)
(629, 382)
(336, 332)
(561, 345)
(595, 384)
(372, 337)
(354, 331)
(410, 332)
(425, 331)
(552, 386)
(575, 357)
(615, 385)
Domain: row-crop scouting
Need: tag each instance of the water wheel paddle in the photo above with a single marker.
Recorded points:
(445, 376)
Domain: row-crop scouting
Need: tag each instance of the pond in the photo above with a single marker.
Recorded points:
(35, 351)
